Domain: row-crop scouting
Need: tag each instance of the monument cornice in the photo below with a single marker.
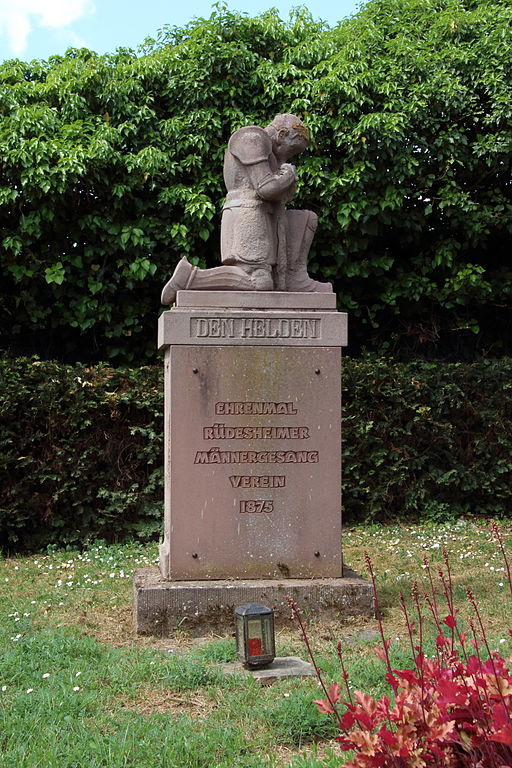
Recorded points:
(252, 327)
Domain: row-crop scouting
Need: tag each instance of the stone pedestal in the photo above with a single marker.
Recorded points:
(252, 452)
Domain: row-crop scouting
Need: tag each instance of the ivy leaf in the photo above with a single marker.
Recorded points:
(55, 273)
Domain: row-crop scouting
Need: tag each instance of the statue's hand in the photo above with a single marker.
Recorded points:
(288, 168)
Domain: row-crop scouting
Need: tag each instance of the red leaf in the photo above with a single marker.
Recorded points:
(450, 621)
(344, 743)
(366, 703)
(474, 665)
(450, 692)
(391, 679)
(409, 675)
(324, 706)
(388, 737)
(487, 667)
(380, 654)
(365, 720)
(500, 715)
(334, 693)
(503, 736)
(383, 707)
(347, 721)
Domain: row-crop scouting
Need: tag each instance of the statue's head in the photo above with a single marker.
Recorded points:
(288, 134)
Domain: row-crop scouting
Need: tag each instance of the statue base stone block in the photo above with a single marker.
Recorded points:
(201, 607)
(252, 460)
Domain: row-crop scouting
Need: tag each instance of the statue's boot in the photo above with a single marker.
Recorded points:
(181, 279)
(301, 230)
(299, 281)
(225, 278)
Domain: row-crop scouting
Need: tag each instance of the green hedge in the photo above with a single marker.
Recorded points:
(80, 453)
(427, 440)
(81, 446)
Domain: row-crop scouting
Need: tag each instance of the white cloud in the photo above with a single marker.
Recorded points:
(16, 22)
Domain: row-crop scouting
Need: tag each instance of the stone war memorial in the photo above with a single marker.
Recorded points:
(252, 413)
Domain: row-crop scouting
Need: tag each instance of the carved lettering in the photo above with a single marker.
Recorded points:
(255, 328)
(222, 432)
(256, 505)
(200, 327)
(216, 456)
(258, 481)
(254, 409)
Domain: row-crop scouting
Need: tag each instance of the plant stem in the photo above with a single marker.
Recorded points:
(344, 672)
(498, 536)
(385, 643)
(298, 618)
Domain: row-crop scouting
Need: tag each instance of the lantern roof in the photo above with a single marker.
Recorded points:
(252, 609)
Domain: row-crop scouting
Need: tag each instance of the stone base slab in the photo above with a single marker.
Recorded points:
(256, 300)
(282, 666)
(162, 606)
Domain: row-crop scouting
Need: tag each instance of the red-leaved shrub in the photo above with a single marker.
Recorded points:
(449, 713)
(452, 710)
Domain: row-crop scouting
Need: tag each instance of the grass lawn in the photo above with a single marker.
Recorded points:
(78, 688)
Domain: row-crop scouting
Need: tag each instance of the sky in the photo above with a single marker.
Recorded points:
(37, 29)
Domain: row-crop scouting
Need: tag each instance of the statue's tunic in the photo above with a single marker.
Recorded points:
(253, 227)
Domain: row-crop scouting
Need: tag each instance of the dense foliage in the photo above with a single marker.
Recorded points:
(82, 447)
(428, 440)
(81, 453)
(111, 171)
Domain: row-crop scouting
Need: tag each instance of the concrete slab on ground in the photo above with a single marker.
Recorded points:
(281, 667)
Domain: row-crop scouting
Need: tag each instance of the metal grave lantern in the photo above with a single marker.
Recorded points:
(255, 641)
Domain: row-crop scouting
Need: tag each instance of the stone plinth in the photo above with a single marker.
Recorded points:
(253, 442)
(161, 606)
(256, 300)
